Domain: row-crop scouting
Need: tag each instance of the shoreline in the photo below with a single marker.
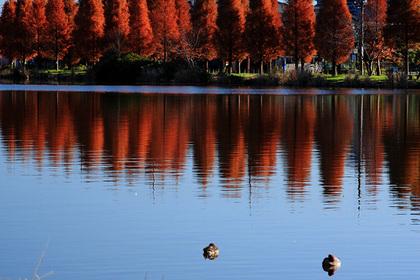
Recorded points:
(221, 80)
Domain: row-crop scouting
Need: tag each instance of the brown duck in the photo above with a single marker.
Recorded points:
(211, 252)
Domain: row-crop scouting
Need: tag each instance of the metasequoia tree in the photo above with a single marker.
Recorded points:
(71, 8)
(141, 33)
(374, 23)
(7, 32)
(334, 38)
(230, 28)
(204, 18)
(24, 30)
(187, 45)
(183, 16)
(262, 31)
(299, 33)
(90, 22)
(40, 23)
(58, 30)
(403, 26)
(116, 25)
(164, 25)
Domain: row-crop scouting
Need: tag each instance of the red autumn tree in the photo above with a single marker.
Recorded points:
(299, 33)
(262, 31)
(403, 26)
(90, 23)
(231, 25)
(187, 45)
(58, 30)
(204, 18)
(141, 34)
(165, 27)
(117, 25)
(7, 23)
(183, 16)
(40, 23)
(71, 8)
(374, 24)
(24, 30)
(334, 38)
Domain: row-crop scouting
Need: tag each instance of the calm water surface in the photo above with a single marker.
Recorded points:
(133, 182)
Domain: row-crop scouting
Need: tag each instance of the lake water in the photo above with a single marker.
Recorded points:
(133, 182)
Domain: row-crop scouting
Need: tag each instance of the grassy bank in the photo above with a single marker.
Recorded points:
(78, 75)
(131, 69)
(305, 79)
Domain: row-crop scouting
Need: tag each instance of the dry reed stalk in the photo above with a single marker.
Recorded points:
(39, 263)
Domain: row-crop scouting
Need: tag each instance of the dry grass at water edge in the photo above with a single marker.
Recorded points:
(36, 276)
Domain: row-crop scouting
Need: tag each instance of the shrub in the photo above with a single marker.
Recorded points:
(20, 75)
(229, 79)
(368, 83)
(352, 81)
(358, 81)
(124, 70)
(303, 78)
(297, 78)
(319, 81)
(151, 76)
(194, 75)
(80, 67)
(266, 80)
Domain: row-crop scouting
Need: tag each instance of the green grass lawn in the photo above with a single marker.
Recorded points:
(380, 78)
(340, 78)
(334, 79)
(245, 75)
(62, 71)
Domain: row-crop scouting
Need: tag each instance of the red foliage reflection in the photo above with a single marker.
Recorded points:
(241, 140)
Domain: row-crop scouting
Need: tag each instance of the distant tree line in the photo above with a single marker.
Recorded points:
(230, 30)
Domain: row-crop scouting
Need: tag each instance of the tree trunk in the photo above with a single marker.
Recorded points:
(406, 58)
(230, 61)
(369, 66)
(406, 62)
(56, 49)
(334, 68)
(261, 67)
(164, 49)
(378, 67)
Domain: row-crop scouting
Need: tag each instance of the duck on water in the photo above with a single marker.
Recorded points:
(331, 264)
(211, 252)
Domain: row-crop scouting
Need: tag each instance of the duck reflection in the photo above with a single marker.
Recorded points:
(331, 264)
(211, 252)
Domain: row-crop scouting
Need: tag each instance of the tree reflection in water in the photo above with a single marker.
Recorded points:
(241, 140)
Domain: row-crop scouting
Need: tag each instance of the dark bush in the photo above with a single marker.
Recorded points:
(319, 81)
(228, 79)
(352, 81)
(124, 70)
(298, 78)
(272, 79)
(192, 76)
